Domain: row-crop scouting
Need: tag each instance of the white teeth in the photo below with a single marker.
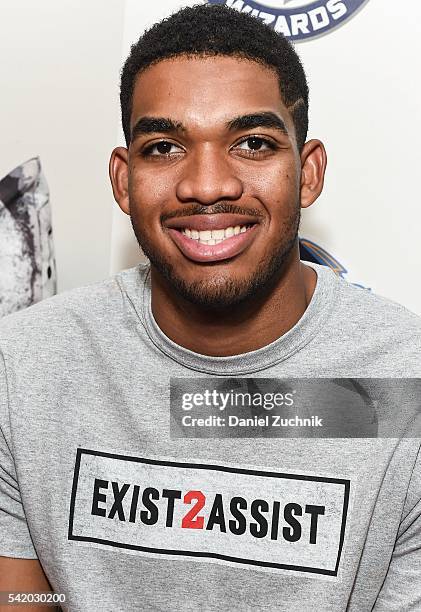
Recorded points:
(214, 236)
(218, 234)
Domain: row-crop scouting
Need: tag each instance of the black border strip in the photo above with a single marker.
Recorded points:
(220, 468)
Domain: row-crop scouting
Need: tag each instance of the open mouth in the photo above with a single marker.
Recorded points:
(213, 244)
(215, 236)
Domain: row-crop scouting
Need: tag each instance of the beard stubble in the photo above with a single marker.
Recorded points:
(221, 292)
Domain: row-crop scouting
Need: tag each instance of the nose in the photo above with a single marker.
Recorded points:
(208, 177)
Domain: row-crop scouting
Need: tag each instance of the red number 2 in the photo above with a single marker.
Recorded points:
(189, 521)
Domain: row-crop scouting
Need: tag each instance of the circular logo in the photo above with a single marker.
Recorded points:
(298, 19)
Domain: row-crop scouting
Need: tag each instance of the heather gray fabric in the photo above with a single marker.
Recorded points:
(89, 370)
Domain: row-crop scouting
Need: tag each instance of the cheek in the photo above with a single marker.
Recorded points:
(275, 184)
(149, 195)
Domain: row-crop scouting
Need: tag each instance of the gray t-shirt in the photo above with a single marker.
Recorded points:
(123, 517)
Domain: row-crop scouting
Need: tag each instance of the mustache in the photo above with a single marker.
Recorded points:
(220, 207)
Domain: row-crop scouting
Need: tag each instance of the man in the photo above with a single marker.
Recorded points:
(99, 490)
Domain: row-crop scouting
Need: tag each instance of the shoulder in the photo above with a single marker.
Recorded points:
(371, 331)
(68, 314)
(364, 308)
(368, 335)
(357, 306)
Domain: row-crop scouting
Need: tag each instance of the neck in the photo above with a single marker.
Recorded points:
(242, 329)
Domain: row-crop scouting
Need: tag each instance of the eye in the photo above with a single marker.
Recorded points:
(161, 148)
(255, 144)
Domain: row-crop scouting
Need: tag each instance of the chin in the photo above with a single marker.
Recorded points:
(223, 290)
(215, 296)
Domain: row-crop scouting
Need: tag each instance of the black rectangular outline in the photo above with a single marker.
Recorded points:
(220, 468)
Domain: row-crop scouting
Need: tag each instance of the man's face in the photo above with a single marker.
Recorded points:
(213, 157)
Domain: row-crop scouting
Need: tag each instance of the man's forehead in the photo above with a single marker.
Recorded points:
(206, 90)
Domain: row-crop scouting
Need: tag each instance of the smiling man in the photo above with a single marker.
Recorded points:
(103, 496)
(214, 195)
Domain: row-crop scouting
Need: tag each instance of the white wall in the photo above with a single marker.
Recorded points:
(365, 106)
(59, 72)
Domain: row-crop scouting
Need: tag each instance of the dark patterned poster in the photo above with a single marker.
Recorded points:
(27, 263)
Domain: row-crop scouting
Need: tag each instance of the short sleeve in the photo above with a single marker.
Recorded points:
(15, 539)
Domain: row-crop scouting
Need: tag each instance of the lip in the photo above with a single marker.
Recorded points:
(210, 221)
(204, 253)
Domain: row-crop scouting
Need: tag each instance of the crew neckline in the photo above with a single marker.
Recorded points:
(137, 286)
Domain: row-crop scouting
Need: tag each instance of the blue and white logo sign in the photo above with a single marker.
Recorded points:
(298, 19)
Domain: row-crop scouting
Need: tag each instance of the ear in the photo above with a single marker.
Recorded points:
(118, 171)
(313, 167)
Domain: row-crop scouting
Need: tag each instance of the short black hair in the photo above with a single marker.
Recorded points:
(214, 29)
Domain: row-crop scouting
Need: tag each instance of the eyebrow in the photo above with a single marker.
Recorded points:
(254, 120)
(152, 125)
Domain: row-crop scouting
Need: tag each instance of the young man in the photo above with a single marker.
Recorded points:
(99, 494)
